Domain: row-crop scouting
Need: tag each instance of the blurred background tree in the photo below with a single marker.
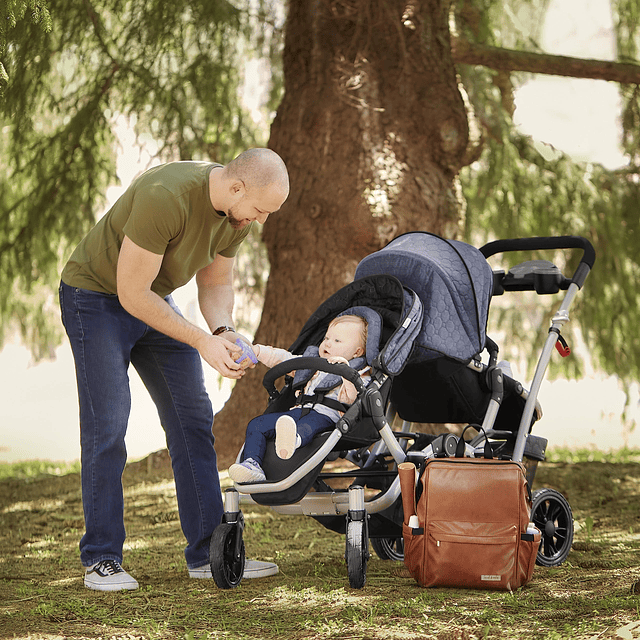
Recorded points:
(392, 116)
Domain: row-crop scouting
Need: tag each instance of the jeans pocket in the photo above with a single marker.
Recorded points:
(86, 300)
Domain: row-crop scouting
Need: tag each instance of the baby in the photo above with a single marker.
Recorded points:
(345, 339)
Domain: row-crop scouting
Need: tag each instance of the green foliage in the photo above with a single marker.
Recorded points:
(514, 24)
(521, 188)
(11, 11)
(575, 456)
(174, 69)
(626, 15)
(627, 26)
(526, 190)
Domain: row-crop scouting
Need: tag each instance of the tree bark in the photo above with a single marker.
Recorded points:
(466, 52)
(374, 131)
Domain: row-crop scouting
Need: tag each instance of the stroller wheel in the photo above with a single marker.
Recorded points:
(389, 548)
(551, 513)
(357, 553)
(227, 557)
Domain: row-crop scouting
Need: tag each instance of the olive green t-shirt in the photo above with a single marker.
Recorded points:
(167, 210)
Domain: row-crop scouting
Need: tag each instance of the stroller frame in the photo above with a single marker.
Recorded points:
(550, 511)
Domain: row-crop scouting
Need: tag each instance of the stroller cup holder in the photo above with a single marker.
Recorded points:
(540, 276)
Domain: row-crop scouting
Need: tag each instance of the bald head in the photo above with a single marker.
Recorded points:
(259, 169)
(250, 187)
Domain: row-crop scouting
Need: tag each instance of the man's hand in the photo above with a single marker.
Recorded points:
(246, 358)
(221, 354)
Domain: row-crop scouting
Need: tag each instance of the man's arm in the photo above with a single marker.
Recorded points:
(137, 269)
(216, 298)
(215, 292)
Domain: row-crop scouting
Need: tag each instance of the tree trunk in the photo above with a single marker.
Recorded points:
(374, 131)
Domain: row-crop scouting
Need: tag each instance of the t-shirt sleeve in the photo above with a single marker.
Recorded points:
(155, 219)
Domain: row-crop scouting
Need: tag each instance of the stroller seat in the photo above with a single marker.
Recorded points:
(393, 317)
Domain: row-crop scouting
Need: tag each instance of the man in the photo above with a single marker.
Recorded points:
(173, 222)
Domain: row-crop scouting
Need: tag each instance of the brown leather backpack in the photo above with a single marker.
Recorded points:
(473, 523)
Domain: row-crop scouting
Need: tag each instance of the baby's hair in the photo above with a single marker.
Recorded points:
(354, 319)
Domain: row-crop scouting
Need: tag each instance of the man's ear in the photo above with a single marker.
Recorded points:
(237, 189)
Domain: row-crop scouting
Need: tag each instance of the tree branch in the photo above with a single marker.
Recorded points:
(465, 52)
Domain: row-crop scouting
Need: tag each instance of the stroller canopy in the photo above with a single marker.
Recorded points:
(454, 282)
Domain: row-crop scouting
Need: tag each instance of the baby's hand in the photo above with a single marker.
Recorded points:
(337, 360)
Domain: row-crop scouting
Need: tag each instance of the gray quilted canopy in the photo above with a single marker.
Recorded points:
(454, 282)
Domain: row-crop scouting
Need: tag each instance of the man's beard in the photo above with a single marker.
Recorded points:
(233, 221)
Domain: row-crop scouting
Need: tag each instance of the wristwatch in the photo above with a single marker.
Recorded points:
(222, 329)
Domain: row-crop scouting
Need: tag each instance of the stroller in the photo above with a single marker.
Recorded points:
(426, 300)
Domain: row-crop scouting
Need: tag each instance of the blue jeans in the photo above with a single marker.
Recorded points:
(105, 339)
(263, 428)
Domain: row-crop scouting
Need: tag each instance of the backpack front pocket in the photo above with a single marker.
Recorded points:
(480, 555)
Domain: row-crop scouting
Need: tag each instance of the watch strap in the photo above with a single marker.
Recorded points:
(223, 329)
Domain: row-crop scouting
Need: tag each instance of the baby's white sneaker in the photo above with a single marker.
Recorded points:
(287, 438)
(247, 471)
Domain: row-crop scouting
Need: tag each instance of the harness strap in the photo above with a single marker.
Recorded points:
(319, 398)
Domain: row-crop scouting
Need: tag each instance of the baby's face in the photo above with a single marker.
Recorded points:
(343, 339)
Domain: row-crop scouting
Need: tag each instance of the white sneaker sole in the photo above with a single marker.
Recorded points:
(252, 569)
(203, 572)
(286, 435)
(238, 473)
(109, 576)
(126, 584)
(259, 569)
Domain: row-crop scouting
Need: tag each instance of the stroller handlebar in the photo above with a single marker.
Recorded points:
(314, 363)
(543, 243)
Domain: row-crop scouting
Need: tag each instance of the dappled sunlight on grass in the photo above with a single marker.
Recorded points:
(284, 597)
(166, 488)
(35, 468)
(261, 516)
(38, 505)
(138, 544)
(42, 592)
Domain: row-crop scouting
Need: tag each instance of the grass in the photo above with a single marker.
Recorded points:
(563, 454)
(36, 468)
(42, 596)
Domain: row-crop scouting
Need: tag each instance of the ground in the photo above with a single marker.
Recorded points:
(592, 595)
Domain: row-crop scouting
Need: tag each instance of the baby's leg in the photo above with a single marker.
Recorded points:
(259, 430)
(312, 424)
